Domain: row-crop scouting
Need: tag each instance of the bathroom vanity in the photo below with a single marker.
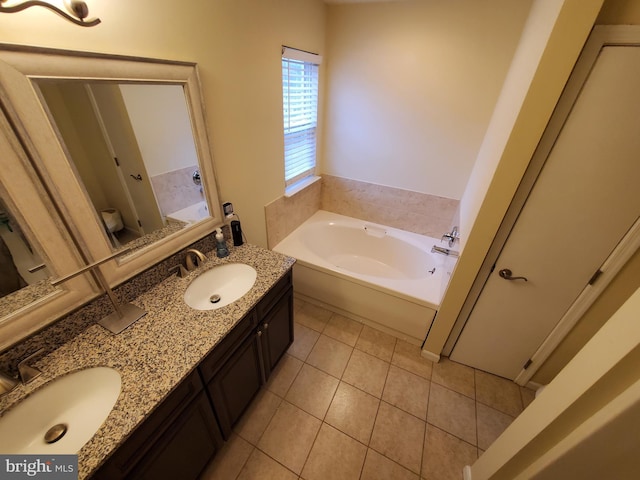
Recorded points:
(182, 434)
(187, 375)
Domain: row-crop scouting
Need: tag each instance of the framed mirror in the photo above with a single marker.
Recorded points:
(133, 149)
(34, 247)
(122, 146)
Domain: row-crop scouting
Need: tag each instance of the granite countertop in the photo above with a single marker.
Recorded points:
(157, 352)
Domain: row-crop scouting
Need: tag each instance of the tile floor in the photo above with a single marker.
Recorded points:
(350, 402)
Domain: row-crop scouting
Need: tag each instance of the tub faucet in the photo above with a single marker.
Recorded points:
(200, 257)
(451, 236)
(444, 251)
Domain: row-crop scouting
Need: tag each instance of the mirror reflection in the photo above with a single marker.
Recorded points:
(22, 271)
(132, 147)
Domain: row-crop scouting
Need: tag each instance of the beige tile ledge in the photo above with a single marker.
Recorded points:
(157, 352)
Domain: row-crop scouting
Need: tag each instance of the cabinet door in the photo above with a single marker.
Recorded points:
(181, 431)
(185, 448)
(277, 329)
(236, 383)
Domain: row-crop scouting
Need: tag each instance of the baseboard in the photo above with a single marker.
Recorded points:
(434, 357)
(466, 472)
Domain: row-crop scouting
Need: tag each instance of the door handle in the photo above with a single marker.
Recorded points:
(506, 274)
(136, 177)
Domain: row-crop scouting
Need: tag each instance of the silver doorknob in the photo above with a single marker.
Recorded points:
(506, 274)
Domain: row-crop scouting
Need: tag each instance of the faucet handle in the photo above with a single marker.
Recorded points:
(26, 372)
(451, 236)
(182, 272)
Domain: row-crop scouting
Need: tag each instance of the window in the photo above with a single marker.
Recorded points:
(300, 106)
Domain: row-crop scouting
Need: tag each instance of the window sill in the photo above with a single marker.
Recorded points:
(297, 187)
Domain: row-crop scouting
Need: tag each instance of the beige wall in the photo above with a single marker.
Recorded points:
(411, 87)
(619, 12)
(552, 39)
(236, 44)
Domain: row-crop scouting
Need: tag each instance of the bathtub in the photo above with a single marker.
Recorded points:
(191, 214)
(379, 275)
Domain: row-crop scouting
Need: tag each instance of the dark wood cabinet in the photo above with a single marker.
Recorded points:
(181, 435)
(235, 385)
(235, 371)
(184, 432)
(277, 331)
(185, 448)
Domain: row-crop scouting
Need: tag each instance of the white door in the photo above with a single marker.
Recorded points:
(120, 137)
(584, 201)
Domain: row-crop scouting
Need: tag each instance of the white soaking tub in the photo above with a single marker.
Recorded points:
(376, 274)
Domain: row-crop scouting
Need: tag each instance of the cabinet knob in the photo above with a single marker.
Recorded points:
(259, 333)
(266, 325)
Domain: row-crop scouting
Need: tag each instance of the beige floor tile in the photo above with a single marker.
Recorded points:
(255, 420)
(343, 329)
(284, 375)
(330, 355)
(376, 343)
(305, 339)
(312, 391)
(229, 461)
(527, 396)
(334, 456)
(379, 467)
(289, 437)
(297, 306)
(452, 412)
(366, 372)
(353, 412)
(312, 316)
(408, 356)
(499, 393)
(445, 455)
(407, 391)
(261, 467)
(491, 424)
(454, 376)
(399, 436)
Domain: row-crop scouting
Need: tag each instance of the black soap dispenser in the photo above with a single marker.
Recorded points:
(236, 233)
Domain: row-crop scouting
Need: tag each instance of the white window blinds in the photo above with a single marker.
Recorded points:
(300, 106)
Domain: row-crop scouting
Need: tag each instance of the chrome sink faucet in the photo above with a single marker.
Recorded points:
(199, 258)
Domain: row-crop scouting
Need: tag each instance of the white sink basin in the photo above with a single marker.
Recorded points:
(220, 286)
(80, 401)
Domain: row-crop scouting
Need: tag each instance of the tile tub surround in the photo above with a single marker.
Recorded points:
(411, 211)
(415, 212)
(285, 214)
(350, 402)
(175, 190)
(157, 352)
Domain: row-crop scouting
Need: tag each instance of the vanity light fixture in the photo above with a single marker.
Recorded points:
(77, 10)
